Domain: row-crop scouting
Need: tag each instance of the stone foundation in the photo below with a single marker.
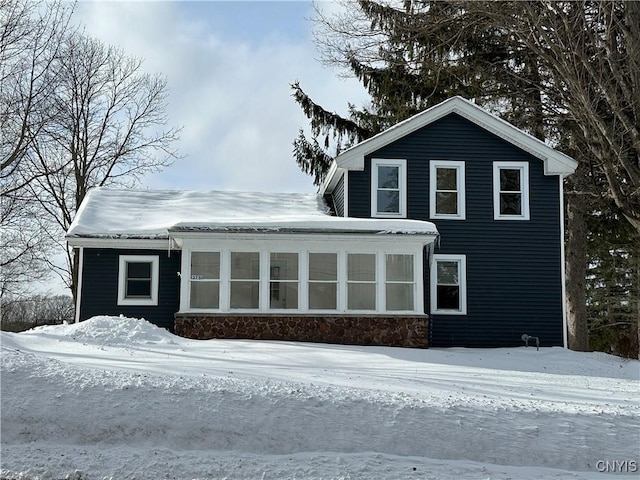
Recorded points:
(350, 330)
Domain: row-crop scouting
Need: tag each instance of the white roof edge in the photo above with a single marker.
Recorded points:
(555, 162)
(332, 178)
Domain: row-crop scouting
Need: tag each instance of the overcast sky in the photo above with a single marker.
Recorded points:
(229, 67)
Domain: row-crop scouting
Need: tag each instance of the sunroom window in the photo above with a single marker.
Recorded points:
(245, 280)
(205, 280)
(283, 284)
(447, 190)
(388, 188)
(323, 281)
(448, 284)
(361, 281)
(511, 190)
(400, 282)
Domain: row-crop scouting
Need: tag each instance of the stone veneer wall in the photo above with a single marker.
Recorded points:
(392, 331)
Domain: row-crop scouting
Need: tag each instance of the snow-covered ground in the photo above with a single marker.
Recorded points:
(119, 398)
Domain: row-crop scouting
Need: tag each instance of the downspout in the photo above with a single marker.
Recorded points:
(563, 267)
(79, 288)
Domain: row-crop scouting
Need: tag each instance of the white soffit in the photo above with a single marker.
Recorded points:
(555, 162)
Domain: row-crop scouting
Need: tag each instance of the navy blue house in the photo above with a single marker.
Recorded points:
(444, 230)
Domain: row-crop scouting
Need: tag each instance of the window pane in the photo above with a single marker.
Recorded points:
(510, 204)
(448, 297)
(205, 265)
(323, 296)
(399, 296)
(361, 267)
(137, 288)
(284, 295)
(245, 294)
(447, 273)
(323, 266)
(361, 296)
(284, 266)
(447, 203)
(245, 265)
(446, 178)
(400, 268)
(138, 269)
(509, 180)
(205, 295)
(388, 201)
(388, 177)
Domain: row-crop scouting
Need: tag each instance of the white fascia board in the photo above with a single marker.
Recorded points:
(331, 180)
(134, 243)
(555, 162)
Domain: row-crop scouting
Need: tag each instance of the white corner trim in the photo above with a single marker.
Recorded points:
(563, 273)
(79, 285)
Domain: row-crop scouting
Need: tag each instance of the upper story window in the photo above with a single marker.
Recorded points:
(449, 284)
(138, 280)
(510, 190)
(446, 189)
(388, 188)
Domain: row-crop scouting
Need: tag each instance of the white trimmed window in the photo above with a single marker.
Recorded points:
(138, 280)
(323, 281)
(361, 281)
(449, 284)
(446, 189)
(388, 188)
(283, 281)
(205, 280)
(400, 282)
(245, 280)
(511, 190)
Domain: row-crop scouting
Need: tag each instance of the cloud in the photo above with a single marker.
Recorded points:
(228, 89)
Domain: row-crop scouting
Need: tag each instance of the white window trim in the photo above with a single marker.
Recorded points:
(402, 186)
(122, 274)
(433, 283)
(460, 179)
(524, 186)
(225, 247)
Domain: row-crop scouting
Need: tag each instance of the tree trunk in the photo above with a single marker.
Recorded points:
(576, 270)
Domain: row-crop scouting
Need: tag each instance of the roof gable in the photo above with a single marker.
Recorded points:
(555, 162)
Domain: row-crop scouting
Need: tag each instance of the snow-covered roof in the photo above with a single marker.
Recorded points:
(154, 214)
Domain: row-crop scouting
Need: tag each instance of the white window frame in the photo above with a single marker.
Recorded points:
(122, 279)
(303, 246)
(459, 166)
(524, 189)
(402, 186)
(387, 282)
(433, 283)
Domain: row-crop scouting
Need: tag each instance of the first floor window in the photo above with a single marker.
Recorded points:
(511, 190)
(400, 282)
(245, 280)
(323, 281)
(283, 285)
(138, 280)
(448, 284)
(205, 280)
(361, 281)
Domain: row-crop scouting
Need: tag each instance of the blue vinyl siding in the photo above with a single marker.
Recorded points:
(100, 286)
(513, 267)
(337, 197)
